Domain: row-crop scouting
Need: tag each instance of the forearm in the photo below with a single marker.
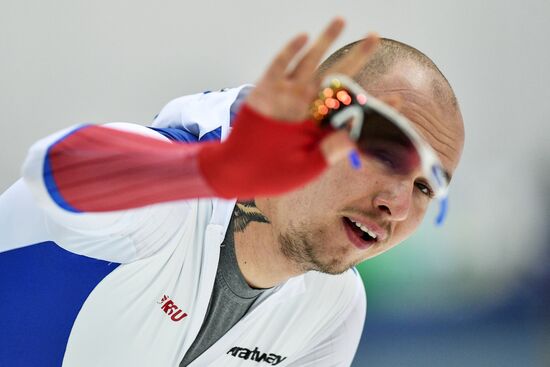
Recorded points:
(94, 168)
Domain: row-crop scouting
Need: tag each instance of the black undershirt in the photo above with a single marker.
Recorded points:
(231, 299)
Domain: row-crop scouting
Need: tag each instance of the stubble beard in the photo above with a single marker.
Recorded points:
(302, 250)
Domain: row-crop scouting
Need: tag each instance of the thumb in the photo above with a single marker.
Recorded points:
(336, 147)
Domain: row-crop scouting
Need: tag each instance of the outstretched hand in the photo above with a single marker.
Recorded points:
(274, 147)
(285, 93)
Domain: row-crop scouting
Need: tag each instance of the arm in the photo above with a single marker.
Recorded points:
(93, 168)
(78, 173)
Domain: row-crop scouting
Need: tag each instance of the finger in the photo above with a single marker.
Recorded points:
(356, 57)
(280, 63)
(306, 66)
(336, 147)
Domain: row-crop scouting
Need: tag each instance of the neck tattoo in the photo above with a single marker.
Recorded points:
(246, 212)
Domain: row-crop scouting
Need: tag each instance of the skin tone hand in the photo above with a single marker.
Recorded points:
(285, 93)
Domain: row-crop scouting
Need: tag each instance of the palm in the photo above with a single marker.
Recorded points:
(285, 93)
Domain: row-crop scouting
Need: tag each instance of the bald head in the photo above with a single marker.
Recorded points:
(428, 99)
(388, 54)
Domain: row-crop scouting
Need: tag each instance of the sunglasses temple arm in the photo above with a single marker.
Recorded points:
(355, 113)
(443, 209)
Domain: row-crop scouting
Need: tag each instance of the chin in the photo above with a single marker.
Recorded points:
(334, 265)
(318, 253)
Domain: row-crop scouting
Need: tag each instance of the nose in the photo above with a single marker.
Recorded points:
(394, 200)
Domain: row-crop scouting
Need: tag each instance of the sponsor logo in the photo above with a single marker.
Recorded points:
(256, 355)
(171, 309)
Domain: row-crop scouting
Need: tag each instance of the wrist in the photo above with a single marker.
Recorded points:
(263, 156)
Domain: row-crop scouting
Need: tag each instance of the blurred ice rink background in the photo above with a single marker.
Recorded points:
(474, 293)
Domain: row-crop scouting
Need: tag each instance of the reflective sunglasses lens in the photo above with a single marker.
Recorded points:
(382, 140)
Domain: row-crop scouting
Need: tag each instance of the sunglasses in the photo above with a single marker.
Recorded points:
(381, 133)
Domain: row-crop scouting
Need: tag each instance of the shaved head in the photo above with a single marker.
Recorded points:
(428, 99)
(388, 54)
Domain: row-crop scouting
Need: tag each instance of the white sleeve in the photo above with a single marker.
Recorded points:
(118, 236)
(338, 349)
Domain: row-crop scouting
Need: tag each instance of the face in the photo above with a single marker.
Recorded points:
(322, 226)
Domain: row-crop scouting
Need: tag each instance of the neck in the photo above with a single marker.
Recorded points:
(257, 249)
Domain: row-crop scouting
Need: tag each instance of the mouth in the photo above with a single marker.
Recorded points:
(359, 234)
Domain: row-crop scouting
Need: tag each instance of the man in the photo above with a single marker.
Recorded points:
(106, 278)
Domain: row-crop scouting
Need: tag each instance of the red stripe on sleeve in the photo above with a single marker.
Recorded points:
(102, 169)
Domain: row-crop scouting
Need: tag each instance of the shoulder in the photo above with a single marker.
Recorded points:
(136, 129)
(204, 116)
(329, 314)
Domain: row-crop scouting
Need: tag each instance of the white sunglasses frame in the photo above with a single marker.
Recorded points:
(430, 164)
